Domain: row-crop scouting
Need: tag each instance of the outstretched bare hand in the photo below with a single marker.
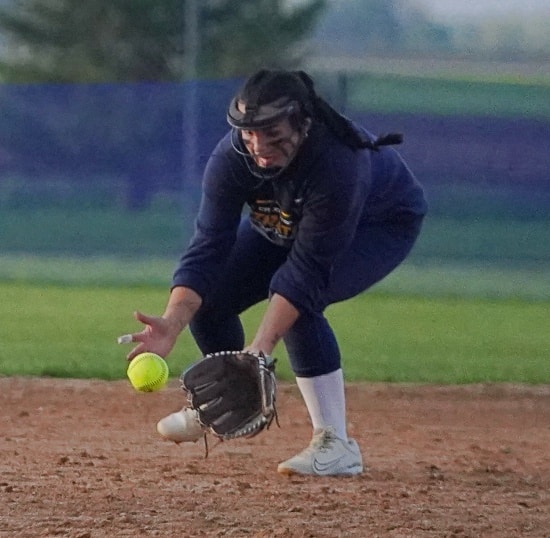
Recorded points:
(159, 336)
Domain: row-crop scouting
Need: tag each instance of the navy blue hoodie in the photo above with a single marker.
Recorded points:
(315, 208)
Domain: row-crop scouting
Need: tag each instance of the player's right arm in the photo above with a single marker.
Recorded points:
(200, 265)
(161, 332)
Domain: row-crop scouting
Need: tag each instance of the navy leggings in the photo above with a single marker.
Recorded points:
(311, 345)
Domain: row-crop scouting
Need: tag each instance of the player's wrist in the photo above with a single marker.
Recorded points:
(173, 325)
(261, 348)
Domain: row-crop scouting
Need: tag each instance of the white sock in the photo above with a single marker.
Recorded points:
(325, 400)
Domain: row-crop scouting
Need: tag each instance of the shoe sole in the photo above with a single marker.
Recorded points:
(286, 471)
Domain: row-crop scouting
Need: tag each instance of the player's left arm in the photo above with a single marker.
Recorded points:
(330, 218)
(278, 318)
(331, 212)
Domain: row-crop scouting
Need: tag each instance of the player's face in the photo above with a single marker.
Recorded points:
(274, 146)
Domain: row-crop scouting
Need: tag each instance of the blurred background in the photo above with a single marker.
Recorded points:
(110, 110)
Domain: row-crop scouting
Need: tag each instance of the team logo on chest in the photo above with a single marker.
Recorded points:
(273, 221)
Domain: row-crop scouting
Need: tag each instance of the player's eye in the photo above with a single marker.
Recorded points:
(272, 133)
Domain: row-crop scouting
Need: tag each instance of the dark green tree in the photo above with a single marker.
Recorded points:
(257, 33)
(144, 40)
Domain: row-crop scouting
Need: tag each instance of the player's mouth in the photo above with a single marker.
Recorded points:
(267, 161)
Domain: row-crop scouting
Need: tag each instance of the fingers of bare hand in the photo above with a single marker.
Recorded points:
(135, 352)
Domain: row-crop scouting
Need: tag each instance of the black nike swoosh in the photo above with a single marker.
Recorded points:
(321, 467)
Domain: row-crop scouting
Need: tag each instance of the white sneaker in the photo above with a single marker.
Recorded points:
(180, 427)
(326, 455)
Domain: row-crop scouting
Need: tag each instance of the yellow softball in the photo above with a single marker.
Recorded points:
(148, 372)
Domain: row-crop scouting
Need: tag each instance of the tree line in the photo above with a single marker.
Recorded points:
(145, 40)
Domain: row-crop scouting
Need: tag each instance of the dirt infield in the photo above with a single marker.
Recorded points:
(82, 459)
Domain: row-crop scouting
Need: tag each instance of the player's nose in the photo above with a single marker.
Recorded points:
(259, 142)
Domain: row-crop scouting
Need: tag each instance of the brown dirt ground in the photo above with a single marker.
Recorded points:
(82, 459)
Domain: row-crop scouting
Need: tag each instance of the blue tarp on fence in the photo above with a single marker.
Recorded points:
(122, 145)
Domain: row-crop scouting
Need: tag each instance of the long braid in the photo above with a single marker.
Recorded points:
(341, 126)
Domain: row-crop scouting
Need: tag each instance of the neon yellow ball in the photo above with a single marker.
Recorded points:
(148, 372)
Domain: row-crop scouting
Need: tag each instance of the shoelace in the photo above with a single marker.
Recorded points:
(322, 440)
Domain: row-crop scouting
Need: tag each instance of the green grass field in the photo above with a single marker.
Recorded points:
(70, 331)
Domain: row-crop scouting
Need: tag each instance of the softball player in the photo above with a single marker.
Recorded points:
(331, 211)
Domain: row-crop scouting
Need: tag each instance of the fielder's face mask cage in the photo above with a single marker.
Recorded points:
(266, 98)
